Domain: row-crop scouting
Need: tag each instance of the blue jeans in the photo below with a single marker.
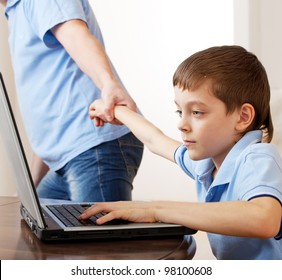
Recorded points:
(103, 173)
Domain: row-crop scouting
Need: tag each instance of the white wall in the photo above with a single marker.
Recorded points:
(258, 26)
(270, 43)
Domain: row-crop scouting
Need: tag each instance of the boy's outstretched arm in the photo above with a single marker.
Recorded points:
(259, 217)
(152, 137)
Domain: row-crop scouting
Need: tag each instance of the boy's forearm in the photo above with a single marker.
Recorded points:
(141, 127)
(237, 218)
(147, 133)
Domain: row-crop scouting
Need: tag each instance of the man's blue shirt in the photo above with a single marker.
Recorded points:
(251, 169)
(54, 95)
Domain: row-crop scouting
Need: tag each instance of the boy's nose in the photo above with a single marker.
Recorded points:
(183, 126)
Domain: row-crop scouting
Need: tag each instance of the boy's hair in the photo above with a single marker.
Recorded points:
(236, 77)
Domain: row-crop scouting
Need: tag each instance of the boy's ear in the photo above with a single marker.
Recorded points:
(246, 117)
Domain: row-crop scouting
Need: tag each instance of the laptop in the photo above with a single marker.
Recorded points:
(58, 220)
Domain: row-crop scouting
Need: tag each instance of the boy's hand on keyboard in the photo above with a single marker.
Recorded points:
(125, 210)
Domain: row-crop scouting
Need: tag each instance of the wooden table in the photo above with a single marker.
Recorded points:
(18, 242)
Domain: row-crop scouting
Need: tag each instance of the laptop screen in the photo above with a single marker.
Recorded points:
(9, 134)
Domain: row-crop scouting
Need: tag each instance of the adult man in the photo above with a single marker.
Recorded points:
(60, 67)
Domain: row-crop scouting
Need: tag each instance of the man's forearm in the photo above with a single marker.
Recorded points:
(85, 50)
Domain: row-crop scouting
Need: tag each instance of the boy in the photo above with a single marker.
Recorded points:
(222, 96)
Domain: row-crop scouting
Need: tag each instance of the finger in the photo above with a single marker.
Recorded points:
(130, 103)
(92, 112)
(132, 106)
(106, 218)
(92, 115)
(98, 122)
(93, 210)
(109, 111)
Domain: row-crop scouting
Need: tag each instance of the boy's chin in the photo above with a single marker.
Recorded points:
(194, 156)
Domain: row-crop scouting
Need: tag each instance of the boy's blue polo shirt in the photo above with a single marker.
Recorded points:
(54, 95)
(250, 169)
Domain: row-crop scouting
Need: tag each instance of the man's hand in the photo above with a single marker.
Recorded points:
(114, 94)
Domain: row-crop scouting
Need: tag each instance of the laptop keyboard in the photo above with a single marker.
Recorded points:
(69, 214)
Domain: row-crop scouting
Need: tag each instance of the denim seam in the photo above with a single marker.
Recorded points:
(99, 174)
(124, 157)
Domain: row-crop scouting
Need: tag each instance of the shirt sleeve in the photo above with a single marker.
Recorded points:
(182, 159)
(46, 14)
(262, 174)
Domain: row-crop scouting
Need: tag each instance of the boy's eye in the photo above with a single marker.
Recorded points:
(196, 113)
(179, 113)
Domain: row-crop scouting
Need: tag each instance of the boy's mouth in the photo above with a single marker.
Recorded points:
(188, 143)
